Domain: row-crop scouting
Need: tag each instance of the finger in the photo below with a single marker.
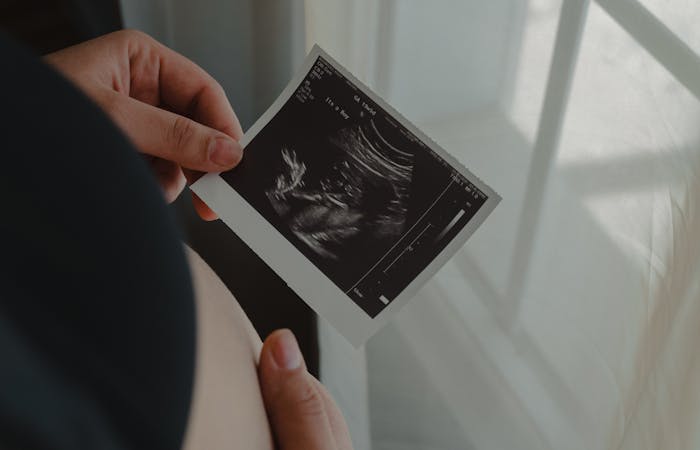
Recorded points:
(294, 406)
(170, 136)
(170, 177)
(338, 426)
(182, 85)
(200, 207)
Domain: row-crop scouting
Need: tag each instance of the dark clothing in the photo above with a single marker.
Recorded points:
(49, 25)
(97, 329)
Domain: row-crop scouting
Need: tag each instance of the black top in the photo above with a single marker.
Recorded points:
(96, 303)
(50, 25)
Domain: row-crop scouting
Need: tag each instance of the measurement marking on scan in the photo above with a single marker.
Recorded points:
(452, 180)
(409, 247)
(450, 225)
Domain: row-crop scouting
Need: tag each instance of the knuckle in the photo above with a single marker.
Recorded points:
(308, 401)
(120, 37)
(219, 89)
(181, 133)
(129, 37)
(296, 397)
(323, 392)
(132, 35)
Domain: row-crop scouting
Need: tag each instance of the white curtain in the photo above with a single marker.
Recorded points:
(570, 319)
(250, 46)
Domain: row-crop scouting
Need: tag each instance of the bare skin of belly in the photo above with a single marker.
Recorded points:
(227, 407)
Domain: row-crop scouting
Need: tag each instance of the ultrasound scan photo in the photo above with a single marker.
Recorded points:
(360, 194)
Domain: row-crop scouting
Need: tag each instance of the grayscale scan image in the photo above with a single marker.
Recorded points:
(364, 191)
(356, 192)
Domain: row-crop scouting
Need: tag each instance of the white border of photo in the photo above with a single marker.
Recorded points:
(300, 274)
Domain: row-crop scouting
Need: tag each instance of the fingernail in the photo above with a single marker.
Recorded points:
(286, 351)
(225, 152)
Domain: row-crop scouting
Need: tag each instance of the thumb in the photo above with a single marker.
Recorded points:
(176, 138)
(295, 406)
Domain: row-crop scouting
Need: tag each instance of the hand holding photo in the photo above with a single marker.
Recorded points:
(345, 199)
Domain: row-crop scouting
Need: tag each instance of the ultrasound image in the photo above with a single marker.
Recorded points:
(364, 190)
(355, 191)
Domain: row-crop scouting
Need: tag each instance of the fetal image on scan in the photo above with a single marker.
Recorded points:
(357, 195)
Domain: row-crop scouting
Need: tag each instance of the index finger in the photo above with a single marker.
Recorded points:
(189, 90)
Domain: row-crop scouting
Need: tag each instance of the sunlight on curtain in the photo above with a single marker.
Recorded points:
(569, 320)
(681, 16)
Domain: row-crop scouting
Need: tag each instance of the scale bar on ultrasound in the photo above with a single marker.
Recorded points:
(450, 225)
(452, 180)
